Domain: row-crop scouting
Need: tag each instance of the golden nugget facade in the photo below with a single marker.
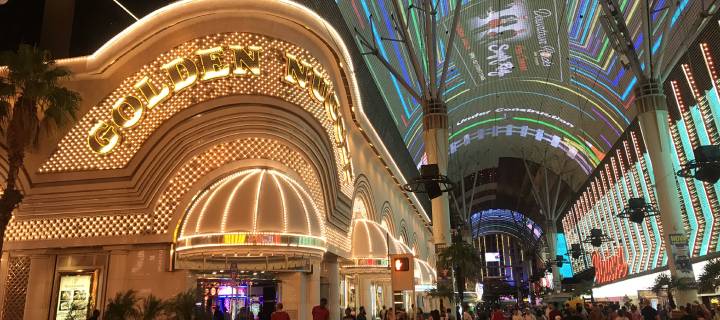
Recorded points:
(221, 146)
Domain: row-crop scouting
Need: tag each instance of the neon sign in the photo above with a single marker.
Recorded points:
(216, 63)
(613, 268)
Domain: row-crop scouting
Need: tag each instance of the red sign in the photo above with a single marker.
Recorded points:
(613, 268)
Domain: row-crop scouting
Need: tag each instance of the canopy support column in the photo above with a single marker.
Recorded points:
(653, 118)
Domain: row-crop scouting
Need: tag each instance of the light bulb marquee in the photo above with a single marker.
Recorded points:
(694, 106)
(197, 71)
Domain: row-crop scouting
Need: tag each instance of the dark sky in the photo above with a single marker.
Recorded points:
(20, 22)
(94, 22)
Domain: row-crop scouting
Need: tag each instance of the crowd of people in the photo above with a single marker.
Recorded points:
(554, 311)
(599, 311)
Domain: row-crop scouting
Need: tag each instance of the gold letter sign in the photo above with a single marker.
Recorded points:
(208, 64)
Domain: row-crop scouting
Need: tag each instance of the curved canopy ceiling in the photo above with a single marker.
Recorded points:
(538, 73)
(494, 221)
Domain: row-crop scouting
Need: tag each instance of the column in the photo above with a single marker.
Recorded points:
(40, 282)
(333, 276)
(116, 273)
(293, 295)
(387, 295)
(365, 294)
(313, 287)
(550, 236)
(653, 118)
(435, 136)
(4, 260)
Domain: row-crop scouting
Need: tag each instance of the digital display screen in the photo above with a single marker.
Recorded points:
(492, 256)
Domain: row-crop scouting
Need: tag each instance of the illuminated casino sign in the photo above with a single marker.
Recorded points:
(613, 268)
(207, 65)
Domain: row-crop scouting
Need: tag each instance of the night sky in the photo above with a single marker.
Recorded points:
(94, 22)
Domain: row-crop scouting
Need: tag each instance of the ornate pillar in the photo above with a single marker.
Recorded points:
(117, 272)
(40, 282)
(653, 118)
(313, 287)
(333, 277)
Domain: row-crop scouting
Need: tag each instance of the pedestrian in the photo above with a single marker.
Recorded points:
(279, 313)
(320, 312)
(527, 315)
(435, 314)
(348, 314)
(95, 315)
(466, 315)
(362, 315)
(390, 315)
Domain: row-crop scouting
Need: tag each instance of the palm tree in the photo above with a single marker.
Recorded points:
(122, 306)
(151, 308)
(710, 277)
(664, 282)
(463, 258)
(31, 103)
(182, 306)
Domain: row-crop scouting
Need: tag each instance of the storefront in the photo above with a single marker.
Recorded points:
(367, 272)
(220, 147)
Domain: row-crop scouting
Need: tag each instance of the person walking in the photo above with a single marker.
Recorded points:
(95, 315)
(362, 315)
(348, 314)
(320, 312)
(279, 313)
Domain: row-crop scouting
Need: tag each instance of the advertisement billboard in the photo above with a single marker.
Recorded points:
(75, 296)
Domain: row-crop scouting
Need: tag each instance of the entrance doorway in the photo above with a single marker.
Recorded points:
(238, 298)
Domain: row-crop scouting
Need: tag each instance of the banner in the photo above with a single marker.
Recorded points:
(74, 296)
(680, 253)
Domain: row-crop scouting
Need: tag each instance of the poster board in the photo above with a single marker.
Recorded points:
(75, 295)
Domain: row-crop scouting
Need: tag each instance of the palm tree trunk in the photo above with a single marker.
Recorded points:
(17, 139)
(671, 301)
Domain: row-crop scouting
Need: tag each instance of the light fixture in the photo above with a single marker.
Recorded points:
(597, 238)
(430, 182)
(576, 251)
(706, 165)
(637, 210)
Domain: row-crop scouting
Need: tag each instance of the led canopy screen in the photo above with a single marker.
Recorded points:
(691, 89)
(522, 72)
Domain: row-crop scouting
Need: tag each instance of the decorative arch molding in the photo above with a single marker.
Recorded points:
(414, 244)
(402, 232)
(227, 133)
(363, 192)
(386, 216)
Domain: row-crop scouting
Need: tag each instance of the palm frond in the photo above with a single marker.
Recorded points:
(122, 306)
(151, 308)
(5, 108)
(709, 279)
(7, 90)
(62, 105)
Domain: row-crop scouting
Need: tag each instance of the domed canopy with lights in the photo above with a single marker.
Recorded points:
(260, 207)
(369, 240)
